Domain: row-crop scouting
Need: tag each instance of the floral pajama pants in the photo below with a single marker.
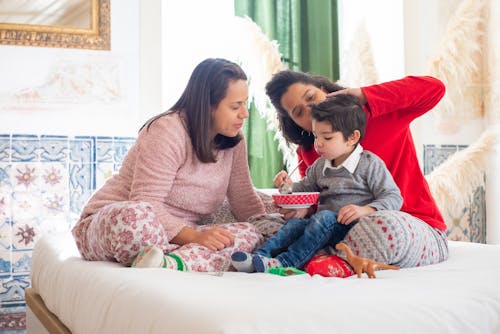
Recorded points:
(119, 231)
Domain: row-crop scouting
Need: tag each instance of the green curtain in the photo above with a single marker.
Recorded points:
(306, 30)
(307, 34)
(264, 158)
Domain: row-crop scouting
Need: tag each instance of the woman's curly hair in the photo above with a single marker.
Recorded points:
(278, 86)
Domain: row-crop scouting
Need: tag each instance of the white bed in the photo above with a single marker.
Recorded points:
(461, 295)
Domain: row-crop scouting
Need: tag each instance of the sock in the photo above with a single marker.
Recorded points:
(174, 262)
(262, 264)
(242, 261)
(152, 257)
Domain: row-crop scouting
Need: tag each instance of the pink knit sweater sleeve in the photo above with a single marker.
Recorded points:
(160, 152)
(241, 194)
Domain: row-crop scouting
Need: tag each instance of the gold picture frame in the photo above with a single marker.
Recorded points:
(95, 38)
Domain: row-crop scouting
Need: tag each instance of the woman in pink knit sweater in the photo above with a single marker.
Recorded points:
(185, 162)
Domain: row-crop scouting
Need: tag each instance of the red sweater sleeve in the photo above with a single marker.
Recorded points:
(390, 109)
(408, 98)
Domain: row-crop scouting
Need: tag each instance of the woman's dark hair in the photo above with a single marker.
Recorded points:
(205, 89)
(343, 112)
(278, 86)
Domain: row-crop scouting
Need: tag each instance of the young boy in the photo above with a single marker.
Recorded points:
(352, 183)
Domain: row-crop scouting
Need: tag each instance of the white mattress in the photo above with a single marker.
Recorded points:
(461, 295)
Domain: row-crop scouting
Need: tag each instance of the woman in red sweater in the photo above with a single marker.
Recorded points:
(417, 235)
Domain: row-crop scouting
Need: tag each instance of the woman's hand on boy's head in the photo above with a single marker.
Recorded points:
(350, 91)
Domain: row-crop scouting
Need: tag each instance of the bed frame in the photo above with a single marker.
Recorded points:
(39, 320)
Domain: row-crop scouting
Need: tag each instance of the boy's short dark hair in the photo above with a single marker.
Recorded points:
(343, 112)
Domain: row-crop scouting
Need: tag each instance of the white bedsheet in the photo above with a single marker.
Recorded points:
(461, 295)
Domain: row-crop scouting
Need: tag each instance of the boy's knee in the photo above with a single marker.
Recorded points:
(325, 217)
(324, 220)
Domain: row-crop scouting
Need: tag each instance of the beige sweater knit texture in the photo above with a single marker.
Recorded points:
(162, 169)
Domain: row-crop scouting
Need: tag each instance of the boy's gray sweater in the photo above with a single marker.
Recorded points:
(370, 184)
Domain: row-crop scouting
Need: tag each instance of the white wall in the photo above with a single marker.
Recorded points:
(198, 33)
(425, 24)
(110, 103)
(384, 22)
(151, 86)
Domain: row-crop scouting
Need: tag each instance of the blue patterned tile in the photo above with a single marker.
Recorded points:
(25, 232)
(12, 290)
(470, 223)
(12, 309)
(5, 261)
(82, 149)
(81, 177)
(5, 266)
(54, 177)
(121, 146)
(26, 204)
(54, 148)
(6, 236)
(78, 200)
(5, 179)
(81, 185)
(434, 155)
(5, 206)
(26, 176)
(21, 261)
(104, 149)
(4, 148)
(54, 205)
(477, 220)
(25, 148)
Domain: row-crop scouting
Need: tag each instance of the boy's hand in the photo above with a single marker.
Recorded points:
(281, 178)
(351, 212)
(294, 213)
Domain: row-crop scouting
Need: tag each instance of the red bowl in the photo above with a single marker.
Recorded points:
(296, 200)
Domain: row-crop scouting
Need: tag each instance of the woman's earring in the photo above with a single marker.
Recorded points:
(302, 133)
